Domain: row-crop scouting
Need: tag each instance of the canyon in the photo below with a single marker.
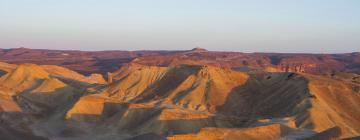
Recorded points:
(178, 95)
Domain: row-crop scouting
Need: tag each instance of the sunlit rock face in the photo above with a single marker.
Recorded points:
(178, 102)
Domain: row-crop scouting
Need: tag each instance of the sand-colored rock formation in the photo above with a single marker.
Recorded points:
(180, 102)
(35, 89)
(334, 104)
(62, 72)
(5, 67)
(187, 99)
(88, 108)
(51, 92)
(25, 76)
(8, 105)
(132, 80)
(204, 88)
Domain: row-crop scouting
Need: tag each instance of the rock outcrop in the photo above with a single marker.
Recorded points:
(179, 102)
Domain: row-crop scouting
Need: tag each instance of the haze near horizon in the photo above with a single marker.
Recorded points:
(257, 26)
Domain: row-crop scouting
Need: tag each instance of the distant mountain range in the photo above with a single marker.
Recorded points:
(88, 62)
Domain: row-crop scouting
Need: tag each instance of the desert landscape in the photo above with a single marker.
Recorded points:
(178, 95)
(179, 69)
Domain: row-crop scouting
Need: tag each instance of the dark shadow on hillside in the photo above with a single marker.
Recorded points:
(110, 110)
(2, 73)
(81, 86)
(259, 100)
(13, 126)
(275, 60)
(148, 136)
(352, 138)
(45, 104)
(110, 65)
(328, 134)
(182, 94)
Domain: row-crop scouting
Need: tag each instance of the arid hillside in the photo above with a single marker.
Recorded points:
(84, 62)
(87, 62)
(182, 99)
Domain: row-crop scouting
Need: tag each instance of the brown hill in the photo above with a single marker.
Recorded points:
(179, 102)
(62, 72)
(185, 100)
(306, 63)
(194, 87)
(132, 80)
(5, 68)
(86, 62)
(24, 77)
(35, 89)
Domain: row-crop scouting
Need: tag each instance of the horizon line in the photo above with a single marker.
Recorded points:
(174, 50)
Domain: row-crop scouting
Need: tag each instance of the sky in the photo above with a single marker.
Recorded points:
(296, 26)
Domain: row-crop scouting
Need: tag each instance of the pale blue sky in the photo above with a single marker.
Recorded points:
(315, 26)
